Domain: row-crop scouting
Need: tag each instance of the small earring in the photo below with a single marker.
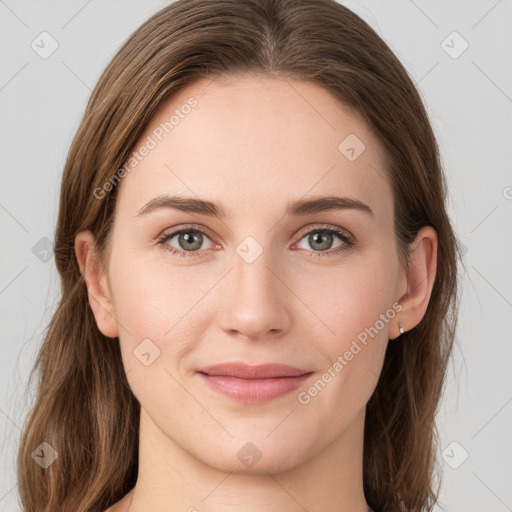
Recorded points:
(401, 327)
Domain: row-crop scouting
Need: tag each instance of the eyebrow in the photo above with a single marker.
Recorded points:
(300, 207)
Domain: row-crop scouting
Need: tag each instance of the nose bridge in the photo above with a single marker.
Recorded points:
(254, 301)
(254, 278)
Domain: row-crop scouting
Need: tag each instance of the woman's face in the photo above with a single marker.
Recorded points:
(261, 279)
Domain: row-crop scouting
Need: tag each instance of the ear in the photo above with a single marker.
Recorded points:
(420, 279)
(97, 284)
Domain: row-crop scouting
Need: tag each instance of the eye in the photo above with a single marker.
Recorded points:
(323, 238)
(184, 242)
(188, 241)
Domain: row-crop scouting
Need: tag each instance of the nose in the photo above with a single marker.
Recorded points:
(255, 302)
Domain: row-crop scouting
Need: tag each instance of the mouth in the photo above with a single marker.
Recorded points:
(253, 384)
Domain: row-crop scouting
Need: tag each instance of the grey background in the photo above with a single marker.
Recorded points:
(469, 99)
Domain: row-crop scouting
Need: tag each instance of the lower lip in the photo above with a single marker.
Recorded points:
(254, 390)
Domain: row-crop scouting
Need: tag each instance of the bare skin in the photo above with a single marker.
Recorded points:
(255, 144)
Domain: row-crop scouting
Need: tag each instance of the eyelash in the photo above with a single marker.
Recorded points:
(347, 240)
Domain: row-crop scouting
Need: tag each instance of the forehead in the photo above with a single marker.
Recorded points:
(255, 140)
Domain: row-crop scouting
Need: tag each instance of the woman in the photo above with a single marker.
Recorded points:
(258, 275)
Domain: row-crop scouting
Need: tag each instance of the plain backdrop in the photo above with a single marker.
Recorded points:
(459, 53)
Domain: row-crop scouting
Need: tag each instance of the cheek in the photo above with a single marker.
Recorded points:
(161, 315)
(151, 297)
(351, 298)
(357, 306)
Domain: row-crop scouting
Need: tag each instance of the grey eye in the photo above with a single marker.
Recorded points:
(320, 240)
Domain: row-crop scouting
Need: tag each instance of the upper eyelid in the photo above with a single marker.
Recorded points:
(171, 232)
(319, 227)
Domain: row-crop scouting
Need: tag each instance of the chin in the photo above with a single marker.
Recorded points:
(256, 458)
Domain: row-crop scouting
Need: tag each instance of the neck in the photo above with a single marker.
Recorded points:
(171, 479)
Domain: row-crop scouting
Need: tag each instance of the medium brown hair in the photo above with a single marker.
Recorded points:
(84, 407)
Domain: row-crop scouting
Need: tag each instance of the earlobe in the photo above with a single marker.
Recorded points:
(97, 284)
(420, 279)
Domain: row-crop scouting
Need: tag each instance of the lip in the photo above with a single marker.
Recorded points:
(261, 383)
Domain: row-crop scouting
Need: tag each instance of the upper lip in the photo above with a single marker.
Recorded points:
(244, 371)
